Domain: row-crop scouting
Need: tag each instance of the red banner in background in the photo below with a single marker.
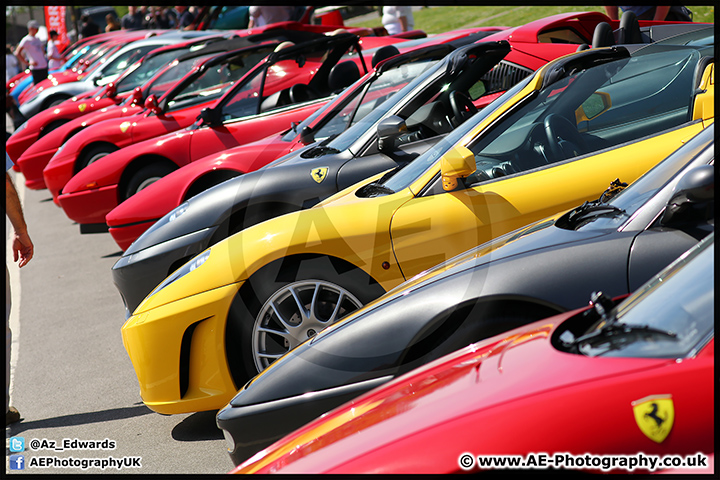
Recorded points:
(55, 20)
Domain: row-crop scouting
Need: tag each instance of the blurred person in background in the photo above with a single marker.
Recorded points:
(397, 19)
(264, 15)
(88, 28)
(133, 20)
(112, 23)
(32, 47)
(157, 18)
(12, 66)
(185, 17)
(54, 57)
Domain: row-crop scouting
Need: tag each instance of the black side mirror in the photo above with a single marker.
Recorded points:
(307, 135)
(209, 116)
(388, 130)
(696, 187)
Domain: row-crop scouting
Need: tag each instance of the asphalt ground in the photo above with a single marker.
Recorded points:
(71, 376)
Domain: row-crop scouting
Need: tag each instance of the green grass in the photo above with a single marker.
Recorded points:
(442, 19)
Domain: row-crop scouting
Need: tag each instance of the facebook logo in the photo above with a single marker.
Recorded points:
(17, 444)
(17, 462)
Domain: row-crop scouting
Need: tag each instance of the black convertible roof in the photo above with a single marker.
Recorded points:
(278, 36)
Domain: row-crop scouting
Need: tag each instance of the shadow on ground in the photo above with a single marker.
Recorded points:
(197, 427)
(81, 418)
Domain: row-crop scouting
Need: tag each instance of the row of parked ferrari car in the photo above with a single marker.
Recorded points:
(375, 254)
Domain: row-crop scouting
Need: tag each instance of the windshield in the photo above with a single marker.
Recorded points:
(344, 141)
(338, 116)
(584, 112)
(171, 75)
(215, 80)
(147, 69)
(287, 81)
(442, 97)
(629, 200)
(122, 62)
(407, 175)
(680, 300)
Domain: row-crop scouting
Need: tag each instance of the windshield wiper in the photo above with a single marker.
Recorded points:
(321, 148)
(319, 151)
(590, 210)
(374, 188)
(610, 327)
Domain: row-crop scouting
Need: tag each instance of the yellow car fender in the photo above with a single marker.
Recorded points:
(347, 229)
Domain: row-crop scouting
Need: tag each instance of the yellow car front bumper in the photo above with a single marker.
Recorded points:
(178, 352)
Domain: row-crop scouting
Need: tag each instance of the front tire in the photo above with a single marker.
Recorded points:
(288, 302)
(295, 313)
(95, 153)
(145, 177)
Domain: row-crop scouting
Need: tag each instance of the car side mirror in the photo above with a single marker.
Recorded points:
(307, 135)
(111, 90)
(459, 162)
(137, 96)
(151, 103)
(208, 116)
(696, 187)
(596, 104)
(389, 130)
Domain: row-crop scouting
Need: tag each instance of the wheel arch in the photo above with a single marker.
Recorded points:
(85, 151)
(249, 297)
(453, 327)
(52, 125)
(208, 180)
(73, 132)
(138, 163)
(47, 103)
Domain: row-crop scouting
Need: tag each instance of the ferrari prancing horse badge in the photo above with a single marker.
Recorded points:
(319, 174)
(655, 416)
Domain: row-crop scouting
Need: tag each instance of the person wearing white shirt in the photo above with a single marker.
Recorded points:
(397, 19)
(265, 15)
(32, 47)
(12, 66)
(55, 58)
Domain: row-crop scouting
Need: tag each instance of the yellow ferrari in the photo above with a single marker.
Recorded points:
(555, 140)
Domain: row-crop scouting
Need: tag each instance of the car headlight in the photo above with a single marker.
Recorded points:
(191, 265)
(149, 238)
(175, 214)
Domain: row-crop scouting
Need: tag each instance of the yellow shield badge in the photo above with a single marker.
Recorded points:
(654, 416)
(82, 107)
(319, 174)
(124, 126)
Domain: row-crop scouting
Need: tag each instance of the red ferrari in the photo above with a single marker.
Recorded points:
(601, 389)
(171, 103)
(115, 93)
(286, 87)
(187, 65)
(89, 65)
